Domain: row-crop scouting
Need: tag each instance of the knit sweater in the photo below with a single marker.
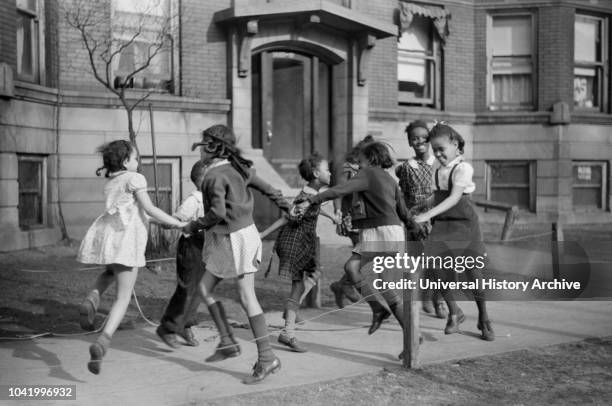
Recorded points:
(381, 196)
(228, 203)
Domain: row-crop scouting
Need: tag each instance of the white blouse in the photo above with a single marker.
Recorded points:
(462, 176)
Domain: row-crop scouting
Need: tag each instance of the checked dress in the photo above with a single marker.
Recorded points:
(297, 244)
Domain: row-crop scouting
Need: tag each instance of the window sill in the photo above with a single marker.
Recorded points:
(163, 101)
(590, 117)
(429, 114)
(511, 117)
(33, 227)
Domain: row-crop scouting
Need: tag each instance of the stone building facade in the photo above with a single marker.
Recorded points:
(525, 82)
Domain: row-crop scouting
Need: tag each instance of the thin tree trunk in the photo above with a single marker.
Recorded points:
(60, 213)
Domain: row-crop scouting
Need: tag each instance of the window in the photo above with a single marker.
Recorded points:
(511, 61)
(418, 65)
(144, 30)
(29, 40)
(168, 181)
(589, 185)
(512, 182)
(32, 178)
(590, 72)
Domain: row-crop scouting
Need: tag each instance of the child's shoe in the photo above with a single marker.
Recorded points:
(261, 370)
(452, 325)
(225, 350)
(96, 353)
(189, 337)
(486, 330)
(377, 318)
(291, 342)
(167, 337)
(441, 312)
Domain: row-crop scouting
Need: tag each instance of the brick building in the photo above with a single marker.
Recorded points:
(526, 83)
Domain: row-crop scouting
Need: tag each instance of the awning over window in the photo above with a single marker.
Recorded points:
(439, 16)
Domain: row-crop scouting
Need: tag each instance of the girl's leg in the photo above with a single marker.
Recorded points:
(126, 279)
(88, 308)
(455, 315)
(393, 299)
(228, 347)
(484, 324)
(287, 336)
(379, 313)
(267, 362)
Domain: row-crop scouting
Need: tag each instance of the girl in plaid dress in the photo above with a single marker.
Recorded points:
(232, 247)
(379, 217)
(416, 181)
(297, 246)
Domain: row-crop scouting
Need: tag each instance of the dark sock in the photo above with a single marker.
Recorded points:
(260, 332)
(482, 310)
(398, 311)
(366, 289)
(217, 312)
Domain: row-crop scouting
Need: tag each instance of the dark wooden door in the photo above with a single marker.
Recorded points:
(291, 109)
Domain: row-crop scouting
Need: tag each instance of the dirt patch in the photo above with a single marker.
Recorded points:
(40, 290)
(566, 374)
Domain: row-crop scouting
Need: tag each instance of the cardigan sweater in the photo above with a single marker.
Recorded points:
(381, 196)
(228, 203)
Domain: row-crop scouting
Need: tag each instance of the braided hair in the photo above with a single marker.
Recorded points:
(114, 154)
(445, 130)
(220, 141)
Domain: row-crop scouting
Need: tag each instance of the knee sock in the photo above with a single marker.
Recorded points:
(395, 304)
(260, 332)
(367, 290)
(398, 311)
(345, 281)
(290, 314)
(217, 312)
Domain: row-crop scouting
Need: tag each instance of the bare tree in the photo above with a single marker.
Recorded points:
(124, 41)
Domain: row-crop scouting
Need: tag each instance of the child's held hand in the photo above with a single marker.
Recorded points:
(421, 219)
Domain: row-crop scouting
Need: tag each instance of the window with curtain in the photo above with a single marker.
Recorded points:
(511, 62)
(590, 44)
(28, 40)
(143, 28)
(418, 65)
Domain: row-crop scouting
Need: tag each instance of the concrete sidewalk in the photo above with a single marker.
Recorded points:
(140, 369)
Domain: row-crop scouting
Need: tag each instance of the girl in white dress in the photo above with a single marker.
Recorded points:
(117, 239)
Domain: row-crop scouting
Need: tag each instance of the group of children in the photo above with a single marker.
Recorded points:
(220, 241)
